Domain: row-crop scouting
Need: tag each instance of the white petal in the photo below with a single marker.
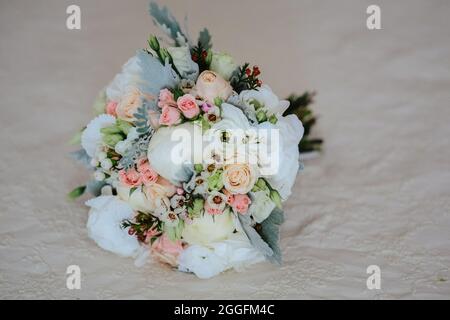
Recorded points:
(92, 137)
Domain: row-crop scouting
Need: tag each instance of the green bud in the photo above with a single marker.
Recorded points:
(273, 119)
(164, 54)
(110, 130)
(261, 184)
(256, 104)
(111, 139)
(218, 101)
(275, 197)
(123, 126)
(153, 43)
(198, 168)
(208, 58)
(261, 116)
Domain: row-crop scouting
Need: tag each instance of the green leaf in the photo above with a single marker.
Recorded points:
(77, 192)
(132, 190)
(204, 39)
(76, 139)
(269, 230)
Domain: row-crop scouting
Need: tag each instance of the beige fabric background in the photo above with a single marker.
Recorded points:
(379, 194)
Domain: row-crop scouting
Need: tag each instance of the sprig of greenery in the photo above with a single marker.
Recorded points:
(162, 53)
(245, 78)
(300, 106)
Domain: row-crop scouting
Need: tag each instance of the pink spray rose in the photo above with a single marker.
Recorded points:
(148, 174)
(131, 178)
(188, 106)
(170, 116)
(166, 99)
(111, 108)
(167, 251)
(240, 203)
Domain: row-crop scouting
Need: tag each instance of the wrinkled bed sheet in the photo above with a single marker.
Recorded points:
(378, 194)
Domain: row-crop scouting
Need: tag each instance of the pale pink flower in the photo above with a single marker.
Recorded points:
(241, 203)
(148, 174)
(188, 106)
(170, 116)
(166, 250)
(131, 178)
(212, 211)
(111, 108)
(166, 99)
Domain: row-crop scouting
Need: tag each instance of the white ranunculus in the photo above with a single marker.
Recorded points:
(123, 80)
(208, 261)
(170, 152)
(136, 199)
(91, 138)
(207, 228)
(291, 132)
(183, 62)
(261, 207)
(104, 225)
(223, 64)
(266, 98)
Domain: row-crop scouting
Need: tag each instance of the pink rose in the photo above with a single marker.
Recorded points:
(111, 108)
(167, 251)
(240, 203)
(130, 178)
(188, 106)
(148, 174)
(166, 99)
(170, 116)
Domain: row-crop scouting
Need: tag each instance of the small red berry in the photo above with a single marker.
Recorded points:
(131, 231)
(248, 71)
(204, 54)
(259, 83)
(194, 57)
(256, 71)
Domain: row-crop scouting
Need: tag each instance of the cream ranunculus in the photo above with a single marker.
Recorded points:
(223, 64)
(129, 104)
(182, 59)
(211, 85)
(207, 229)
(239, 178)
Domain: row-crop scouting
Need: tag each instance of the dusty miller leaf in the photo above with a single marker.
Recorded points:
(204, 39)
(82, 157)
(167, 22)
(254, 237)
(270, 232)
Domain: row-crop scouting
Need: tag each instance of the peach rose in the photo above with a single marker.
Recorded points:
(241, 203)
(166, 99)
(188, 106)
(239, 178)
(129, 104)
(111, 108)
(170, 116)
(148, 174)
(210, 85)
(131, 178)
(167, 251)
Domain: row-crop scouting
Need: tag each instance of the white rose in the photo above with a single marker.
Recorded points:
(207, 229)
(104, 225)
(223, 64)
(182, 59)
(170, 152)
(267, 100)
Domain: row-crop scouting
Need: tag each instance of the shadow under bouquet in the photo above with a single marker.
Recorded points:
(192, 158)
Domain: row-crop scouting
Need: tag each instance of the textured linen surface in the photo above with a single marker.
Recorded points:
(379, 193)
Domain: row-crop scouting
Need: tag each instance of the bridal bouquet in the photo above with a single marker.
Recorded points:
(192, 158)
